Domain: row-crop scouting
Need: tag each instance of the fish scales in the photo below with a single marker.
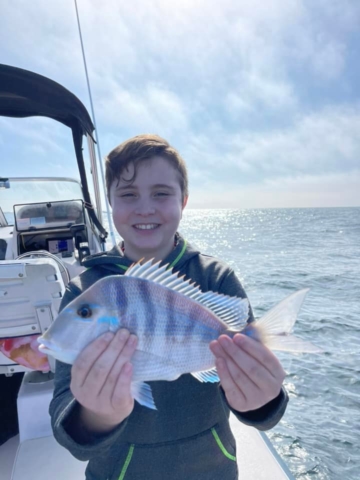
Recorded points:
(168, 304)
(180, 310)
(181, 323)
(148, 311)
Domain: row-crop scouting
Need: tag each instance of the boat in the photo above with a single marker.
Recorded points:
(47, 227)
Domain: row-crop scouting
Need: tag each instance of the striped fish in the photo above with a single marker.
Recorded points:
(173, 320)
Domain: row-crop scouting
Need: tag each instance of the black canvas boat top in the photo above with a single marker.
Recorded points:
(27, 94)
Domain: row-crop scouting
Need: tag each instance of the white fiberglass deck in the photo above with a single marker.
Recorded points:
(42, 458)
(256, 457)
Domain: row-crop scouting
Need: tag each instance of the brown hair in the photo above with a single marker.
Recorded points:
(141, 148)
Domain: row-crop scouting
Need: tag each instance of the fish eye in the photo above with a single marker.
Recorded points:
(84, 312)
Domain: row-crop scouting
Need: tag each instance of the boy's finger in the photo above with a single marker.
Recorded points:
(252, 378)
(261, 353)
(230, 388)
(87, 358)
(124, 356)
(237, 373)
(246, 363)
(101, 368)
(123, 384)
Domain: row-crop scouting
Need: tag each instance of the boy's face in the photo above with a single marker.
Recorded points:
(147, 212)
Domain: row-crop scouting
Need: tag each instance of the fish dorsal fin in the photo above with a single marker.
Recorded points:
(163, 276)
(234, 311)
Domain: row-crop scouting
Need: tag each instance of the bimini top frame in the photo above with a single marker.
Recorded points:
(28, 94)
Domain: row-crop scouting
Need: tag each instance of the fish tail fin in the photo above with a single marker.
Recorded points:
(290, 343)
(142, 393)
(275, 327)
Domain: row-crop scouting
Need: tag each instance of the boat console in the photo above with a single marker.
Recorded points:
(47, 226)
(57, 227)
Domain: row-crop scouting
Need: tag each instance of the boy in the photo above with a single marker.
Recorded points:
(188, 436)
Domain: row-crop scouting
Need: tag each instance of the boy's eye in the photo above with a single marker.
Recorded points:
(127, 195)
(162, 194)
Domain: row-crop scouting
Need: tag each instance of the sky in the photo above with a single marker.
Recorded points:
(261, 99)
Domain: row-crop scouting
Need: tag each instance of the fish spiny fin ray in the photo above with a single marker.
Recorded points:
(163, 276)
(210, 376)
(234, 311)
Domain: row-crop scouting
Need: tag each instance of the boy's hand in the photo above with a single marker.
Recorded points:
(101, 379)
(249, 372)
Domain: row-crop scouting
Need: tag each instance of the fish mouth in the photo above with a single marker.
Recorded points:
(45, 351)
(46, 345)
(47, 348)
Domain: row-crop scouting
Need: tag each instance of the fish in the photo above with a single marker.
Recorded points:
(173, 320)
(25, 352)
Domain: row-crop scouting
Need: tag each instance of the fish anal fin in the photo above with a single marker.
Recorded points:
(142, 393)
(210, 376)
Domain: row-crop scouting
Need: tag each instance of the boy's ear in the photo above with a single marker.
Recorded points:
(185, 202)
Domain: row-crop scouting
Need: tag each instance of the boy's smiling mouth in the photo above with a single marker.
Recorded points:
(146, 226)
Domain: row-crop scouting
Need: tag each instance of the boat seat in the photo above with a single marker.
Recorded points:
(30, 294)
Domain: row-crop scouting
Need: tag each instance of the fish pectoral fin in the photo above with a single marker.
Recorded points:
(142, 393)
(207, 376)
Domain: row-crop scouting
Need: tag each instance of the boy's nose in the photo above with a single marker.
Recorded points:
(144, 209)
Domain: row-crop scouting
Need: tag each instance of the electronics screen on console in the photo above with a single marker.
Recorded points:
(61, 246)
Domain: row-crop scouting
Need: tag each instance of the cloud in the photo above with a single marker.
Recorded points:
(44, 135)
(256, 92)
(330, 61)
(152, 109)
(329, 190)
(33, 146)
(244, 54)
(318, 143)
(249, 92)
(321, 141)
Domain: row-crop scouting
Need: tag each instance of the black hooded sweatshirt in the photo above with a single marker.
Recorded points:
(188, 437)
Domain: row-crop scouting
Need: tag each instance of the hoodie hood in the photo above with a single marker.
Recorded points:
(114, 259)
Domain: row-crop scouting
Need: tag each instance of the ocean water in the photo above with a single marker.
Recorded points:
(275, 252)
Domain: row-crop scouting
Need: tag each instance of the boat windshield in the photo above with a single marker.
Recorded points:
(14, 191)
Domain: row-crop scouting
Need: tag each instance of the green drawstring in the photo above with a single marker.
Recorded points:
(171, 264)
(122, 266)
(221, 446)
(179, 256)
(127, 461)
